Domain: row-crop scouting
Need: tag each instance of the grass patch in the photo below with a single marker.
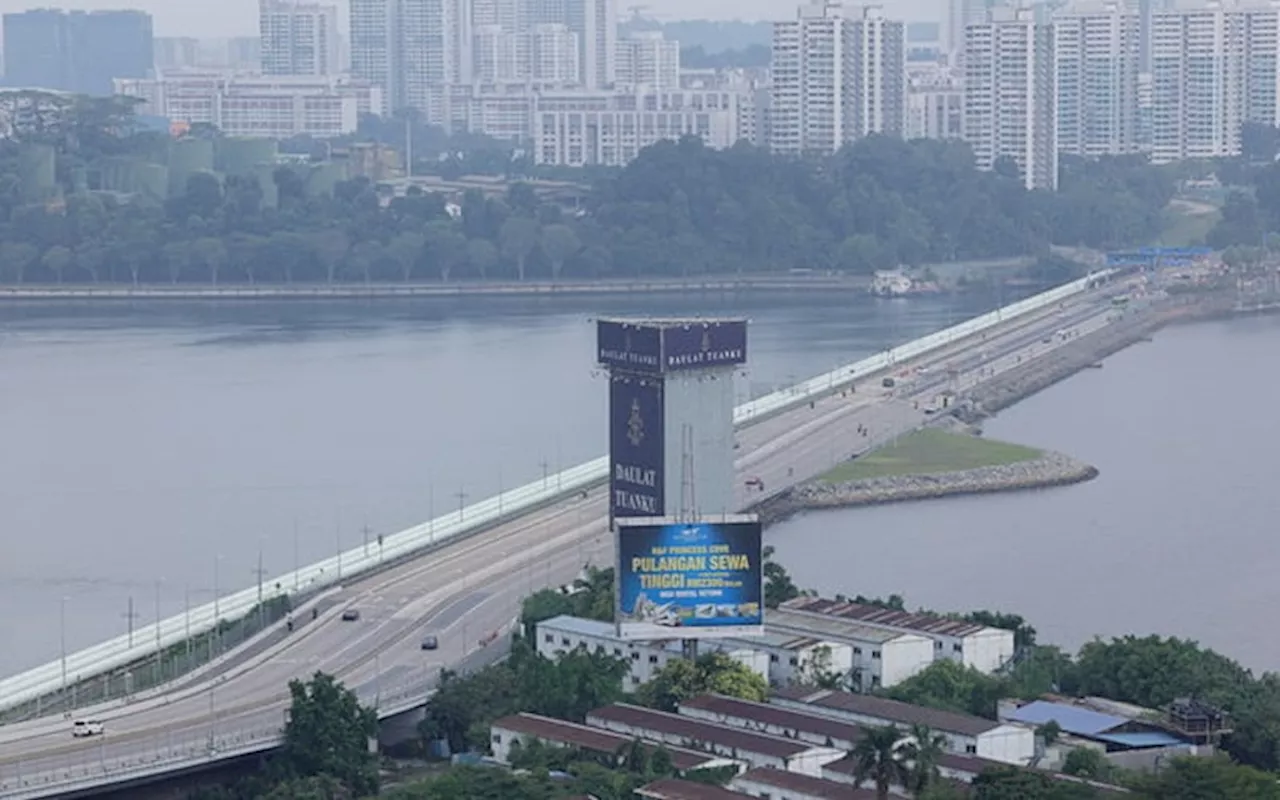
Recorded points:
(1186, 226)
(930, 451)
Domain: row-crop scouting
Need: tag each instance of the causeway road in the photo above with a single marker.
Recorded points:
(468, 593)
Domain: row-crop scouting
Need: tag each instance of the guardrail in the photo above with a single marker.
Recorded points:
(162, 754)
(117, 652)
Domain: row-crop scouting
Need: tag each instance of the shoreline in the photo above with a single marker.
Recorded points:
(1049, 470)
(389, 291)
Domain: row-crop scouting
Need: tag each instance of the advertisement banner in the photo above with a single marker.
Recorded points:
(636, 446)
(629, 345)
(689, 580)
(699, 345)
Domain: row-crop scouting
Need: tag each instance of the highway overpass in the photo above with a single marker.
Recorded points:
(466, 590)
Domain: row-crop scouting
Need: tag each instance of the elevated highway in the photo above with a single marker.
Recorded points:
(467, 593)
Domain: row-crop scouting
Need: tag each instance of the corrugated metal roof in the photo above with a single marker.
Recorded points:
(596, 739)
(676, 789)
(886, 617)
(835, 628)
(695, 732)
(886, 710)
(1140, 739)
(1072, 719)
(805, 785)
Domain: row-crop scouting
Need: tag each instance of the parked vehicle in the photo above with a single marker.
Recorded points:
(87, 727)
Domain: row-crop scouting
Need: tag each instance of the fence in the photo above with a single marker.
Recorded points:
(102, 658)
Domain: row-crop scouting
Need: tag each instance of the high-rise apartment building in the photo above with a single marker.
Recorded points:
(552, 55)
(414, 49)
(935, 104)
(77, 51)
(836, 79)
(176, 52)
(595, 23)
(1096, 55)
(645, 58)
(1009, 109)
(299, 38)
(1212, 69)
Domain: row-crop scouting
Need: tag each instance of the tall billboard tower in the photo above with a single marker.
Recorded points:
(671, 414)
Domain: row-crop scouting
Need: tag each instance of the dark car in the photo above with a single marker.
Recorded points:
(430, 643)
(351, 615)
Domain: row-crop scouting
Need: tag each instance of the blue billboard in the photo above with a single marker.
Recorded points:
(636, 446)
(690, 580)
(633, 346)
(700, 345)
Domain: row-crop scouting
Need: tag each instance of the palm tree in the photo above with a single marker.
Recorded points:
(920, 754)
(876, 759)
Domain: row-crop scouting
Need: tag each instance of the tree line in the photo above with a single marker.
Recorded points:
(325, 753)
(679, 209)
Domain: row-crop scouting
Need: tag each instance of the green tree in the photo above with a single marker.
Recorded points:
(560, 243)
(919, 753)
(714, 673)
(328, 733)
(1085, 762)
(446, 246)
(519, 235)
(877, 759)
(1196, 778)
(482, 256)
(319, 787)
(778, 586)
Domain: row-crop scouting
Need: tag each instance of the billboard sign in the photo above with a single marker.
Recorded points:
(636, 446)
(631, 346)
(689, 580)
(657, 346)
(701, 345)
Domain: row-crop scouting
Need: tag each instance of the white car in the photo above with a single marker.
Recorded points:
(87, 727)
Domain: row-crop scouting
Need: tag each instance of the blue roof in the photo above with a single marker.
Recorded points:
(1140, 739)
(1071, 719)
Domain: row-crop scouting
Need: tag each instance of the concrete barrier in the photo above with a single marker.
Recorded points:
(116, 653)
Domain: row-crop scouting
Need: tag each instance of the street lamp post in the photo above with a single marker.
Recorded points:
(62, 641)
(159, 652)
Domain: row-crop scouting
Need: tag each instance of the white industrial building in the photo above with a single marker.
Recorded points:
(299, 38)
(757, 749)
(775, 784)
(965, 735)
(879, 657)
(836, 78)
(1009, 109)
(262, 106)
(801, 726)
(982, 647)
(564, 634)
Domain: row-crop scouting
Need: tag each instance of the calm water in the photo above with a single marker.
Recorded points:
(140, 444)
(1177, 536)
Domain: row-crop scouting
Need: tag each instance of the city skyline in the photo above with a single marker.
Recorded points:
(226, 18)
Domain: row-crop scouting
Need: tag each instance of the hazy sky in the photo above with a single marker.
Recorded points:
(215, 18)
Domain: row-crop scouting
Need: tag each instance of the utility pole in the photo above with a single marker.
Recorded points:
(365, 531)
(130, 615)
(462, 499)
(159, 651)
(543, 463)
(259, 572)
(62, 640)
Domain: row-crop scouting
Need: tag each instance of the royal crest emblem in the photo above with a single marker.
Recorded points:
(635, 425)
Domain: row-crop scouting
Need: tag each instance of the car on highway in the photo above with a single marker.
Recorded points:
(351, 615)
(430, 643)
(87, 727)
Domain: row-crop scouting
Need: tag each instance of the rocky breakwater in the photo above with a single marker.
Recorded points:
(1050, 469)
